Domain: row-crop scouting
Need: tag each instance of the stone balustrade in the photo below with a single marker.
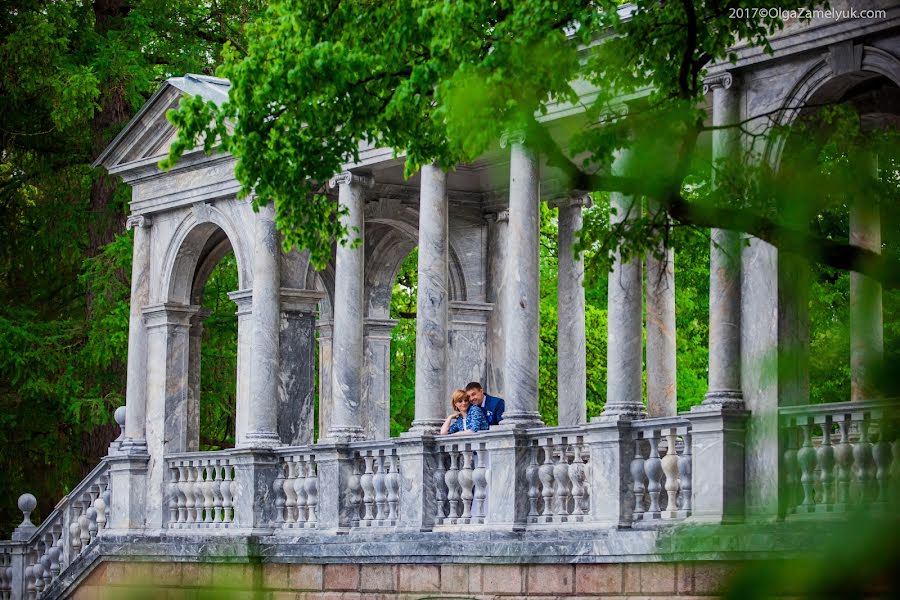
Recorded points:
(201, 491)
(6, 551)
(296, 489)
(460, 481)
(373, 489)
(37, 556)
(839, 456)
(558, 476)
(661, 469)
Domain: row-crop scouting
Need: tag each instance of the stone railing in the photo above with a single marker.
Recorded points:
(460, 481)
(201, 490)
(839, 456)
(296, 489)
(37, 555)
(373, 488)
(558, 476)
(661, 469)
(6, 570)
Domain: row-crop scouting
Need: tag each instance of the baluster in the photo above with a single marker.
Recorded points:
(289, 488)
(545, 475)
(881, 454)
(37, 571)
(368, 488)
(862, 454)
(199, 496)
(578, 475)
(531, 476)
(466, 485)
(209, 493)
(181, 493)
(279, 487)
(45, 569)
(227, 494)
(452, 480)
(378, 482)
(562, 482)
(54, 560)
(92, 528)
(479, 478)
(825, 459)
(685, 468)
(440, 490)
(61, 540)
(791, 468)
(354, 486)
(100, 507)
(217, 494)
(300, 491)
(670, 469)
(84, 531)
(107, 499)
(806, 456)
(185, 486)
(393, 487)
(653, 470)
(843, 454)
(637, 478)
(311, 487)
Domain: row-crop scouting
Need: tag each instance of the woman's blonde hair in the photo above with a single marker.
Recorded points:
(456, 397)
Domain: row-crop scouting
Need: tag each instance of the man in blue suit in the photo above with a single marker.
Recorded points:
(492, 406)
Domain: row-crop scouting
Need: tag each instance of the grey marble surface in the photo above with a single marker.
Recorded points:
(571, 355)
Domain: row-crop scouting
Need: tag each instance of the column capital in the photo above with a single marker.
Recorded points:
(300, 300)
(379, 327)
(244, 301)
(724, 80)
(515, 136)
(348, 177)
(501, 216)
(168, 313)
(571, 199)
(138, 221)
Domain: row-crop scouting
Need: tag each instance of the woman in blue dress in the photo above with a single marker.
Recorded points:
(466, 418)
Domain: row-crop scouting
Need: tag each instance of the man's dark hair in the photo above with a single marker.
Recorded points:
(473, 385)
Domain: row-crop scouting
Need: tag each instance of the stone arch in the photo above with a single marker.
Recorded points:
(827, 79)
(198, 243)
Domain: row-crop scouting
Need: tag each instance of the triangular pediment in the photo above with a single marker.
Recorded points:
(149, 135)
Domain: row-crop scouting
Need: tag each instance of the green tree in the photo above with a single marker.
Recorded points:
(73, 74)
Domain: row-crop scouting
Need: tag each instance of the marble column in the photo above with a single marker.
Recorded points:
(625, 316)
(262, 410)
(244, 301)
(661, 368)
(377, 415)
(297, 367)
(724, 263)
(193, 399)
(866, 318)
(325, 335)
(136, 382)
(168, 332)
(348, 350)
(571, 370)
(498, 239)
(433, 301)
(522, 294)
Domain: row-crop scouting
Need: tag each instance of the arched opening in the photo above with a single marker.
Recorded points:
(839, 173)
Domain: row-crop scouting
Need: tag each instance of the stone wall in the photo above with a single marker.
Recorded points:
(690, 580)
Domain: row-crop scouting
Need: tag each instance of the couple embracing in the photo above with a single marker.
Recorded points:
(473, 410)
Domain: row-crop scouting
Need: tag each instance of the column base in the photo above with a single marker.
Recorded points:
(516, 419)
(338, 435)
(421, 426)
(721, 398)
(613, 411)
(133, 446)
(260, 439)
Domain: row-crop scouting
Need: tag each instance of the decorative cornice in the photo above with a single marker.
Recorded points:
(138, 221)
(724, 80)
(348, 177)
